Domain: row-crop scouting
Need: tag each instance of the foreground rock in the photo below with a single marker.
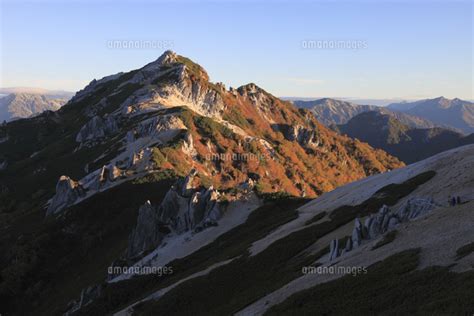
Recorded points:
(147, 234)
(67, 192)
(184, 208)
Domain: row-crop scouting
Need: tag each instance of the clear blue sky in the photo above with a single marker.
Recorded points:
(413, 49)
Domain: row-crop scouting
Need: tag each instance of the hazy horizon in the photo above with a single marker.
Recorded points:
(4, 91)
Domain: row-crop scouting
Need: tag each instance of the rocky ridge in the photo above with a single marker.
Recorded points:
(168, 115)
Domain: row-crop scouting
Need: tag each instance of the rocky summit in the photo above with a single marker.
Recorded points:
(169, 116)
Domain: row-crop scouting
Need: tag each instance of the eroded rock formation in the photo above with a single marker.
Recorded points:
(67, 192)
(307, 138)
(97, 128)
(185, 207)
(381, 222)
(147, 235)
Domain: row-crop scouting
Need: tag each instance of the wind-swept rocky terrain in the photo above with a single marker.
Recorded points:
(159, 169)
(400, 140)
(22, 105)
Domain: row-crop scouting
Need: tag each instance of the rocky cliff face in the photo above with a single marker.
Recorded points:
(147, 234)
(68, 192)
(307, 138)
(169, 81)
(184, 208)
(96, 129)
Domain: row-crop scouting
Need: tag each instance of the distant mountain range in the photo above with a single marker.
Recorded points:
(376, 102)
(54, 94)
(22, 105)
(331, 111)
(409, 144)
(452, 112)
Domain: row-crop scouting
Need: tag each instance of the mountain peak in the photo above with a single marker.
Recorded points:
(168, 54)
(168, 57)
(249, 87)
(252, 89)
(441, 100)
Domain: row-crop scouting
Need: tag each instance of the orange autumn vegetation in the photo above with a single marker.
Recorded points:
(282, 164)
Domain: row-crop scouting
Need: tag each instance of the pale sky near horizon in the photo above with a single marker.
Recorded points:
(408, 49)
